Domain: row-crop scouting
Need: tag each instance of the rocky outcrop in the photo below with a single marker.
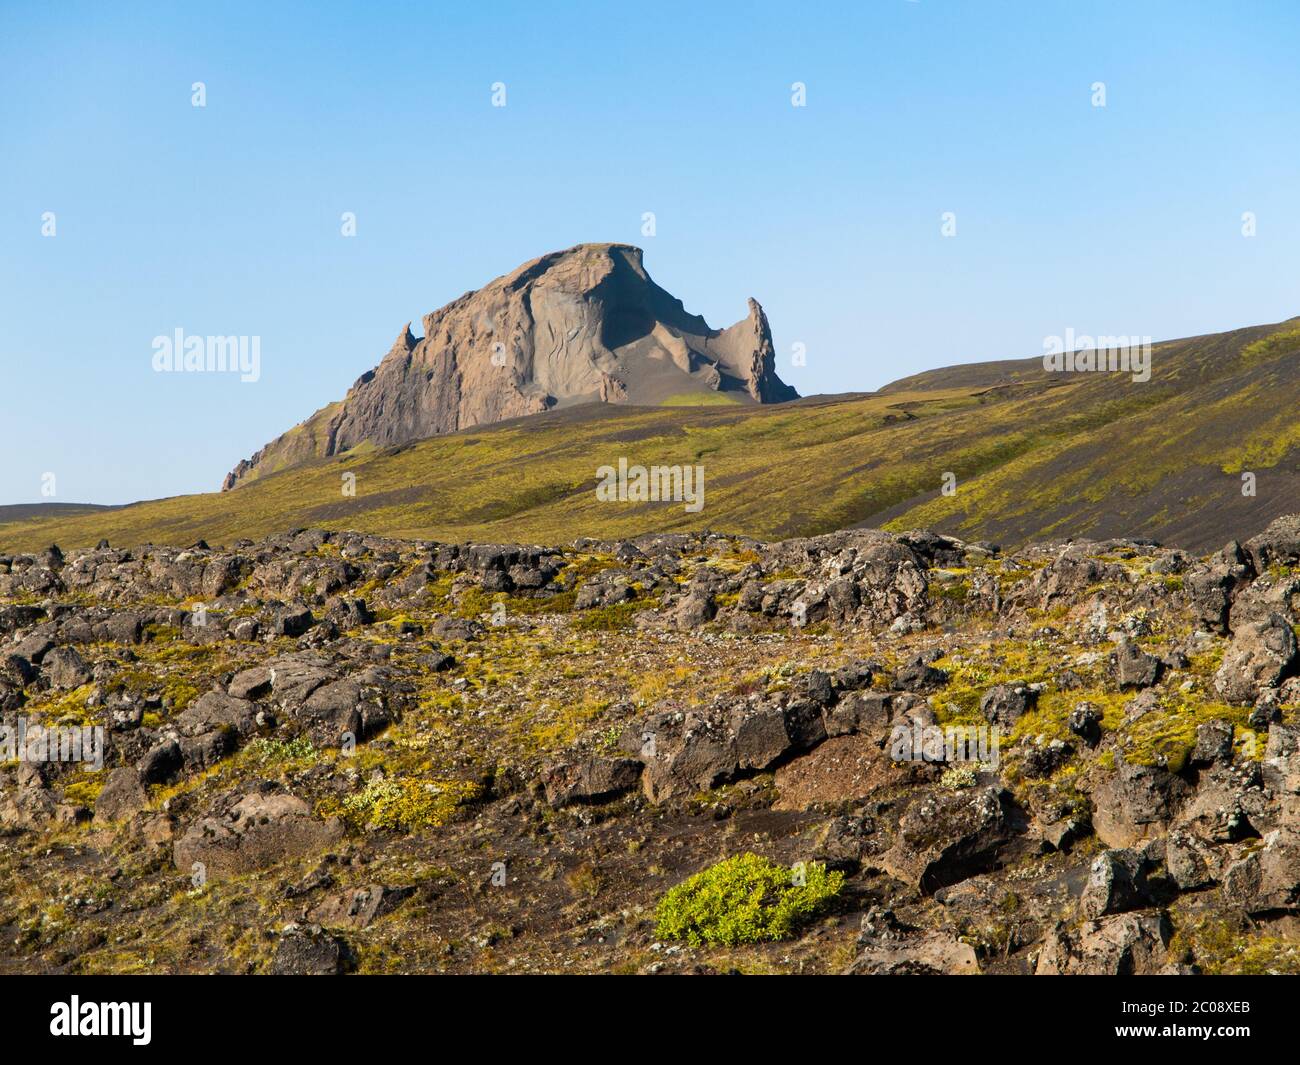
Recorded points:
(1131, 944)
(586, 325)
(1261, 655)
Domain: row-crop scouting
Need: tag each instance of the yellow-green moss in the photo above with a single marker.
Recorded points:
(745, 899)
(408, 805)
(1166, 736)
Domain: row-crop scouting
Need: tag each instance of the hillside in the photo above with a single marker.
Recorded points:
(1035, 455)
(28, 511)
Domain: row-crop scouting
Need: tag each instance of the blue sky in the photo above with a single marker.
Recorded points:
(226, 219)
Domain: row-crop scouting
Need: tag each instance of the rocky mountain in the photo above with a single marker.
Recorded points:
(387, 756)
(586, 325)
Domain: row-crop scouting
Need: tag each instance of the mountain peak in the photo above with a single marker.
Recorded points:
(582, 325)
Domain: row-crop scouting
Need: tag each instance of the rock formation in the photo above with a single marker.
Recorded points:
(586, 325)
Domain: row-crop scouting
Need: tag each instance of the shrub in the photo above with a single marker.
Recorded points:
(745, 899)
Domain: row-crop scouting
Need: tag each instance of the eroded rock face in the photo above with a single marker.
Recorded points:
(1128, 944)
(586, 325)
(589, 779)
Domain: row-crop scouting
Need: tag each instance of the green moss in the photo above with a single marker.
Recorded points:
(178, 688)
(612, 618)
(83, 792)
(700, 399)
(1273, 345)
(1166, 737)
(559, 603)
(1229, 948)
(564, 725)
(745, 899)
(68, 707)
(474, 603)
(161, 633)
(409, 804)
(1050, 718)
(956, 591)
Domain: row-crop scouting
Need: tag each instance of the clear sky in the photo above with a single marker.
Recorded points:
(225, 219)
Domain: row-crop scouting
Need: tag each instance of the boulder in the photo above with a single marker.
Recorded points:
(945, 837)
(683, 753)
(917, 954)
(589, 779)
(352, 706)
(358, 908)
(1213, 743)
(308, 951)
(1133, 803)
(919, 676)
(1005, 704)
(865, 712)
(292, 621)
(123, 794)
(1116, 883)
(63, 668)
(695, 610)
(1134, 668)
(1128, 944)
(161, 762)
(1268, 879)
(1278, 545)
(217, 711)
(1261, 654)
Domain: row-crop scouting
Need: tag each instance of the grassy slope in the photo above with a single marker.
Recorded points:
(1035, 455)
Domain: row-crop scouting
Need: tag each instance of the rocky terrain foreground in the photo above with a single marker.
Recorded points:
(331, 752)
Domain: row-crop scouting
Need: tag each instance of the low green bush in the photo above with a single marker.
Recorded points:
(745, 899)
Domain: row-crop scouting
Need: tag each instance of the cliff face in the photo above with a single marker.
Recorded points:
(585, 325)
